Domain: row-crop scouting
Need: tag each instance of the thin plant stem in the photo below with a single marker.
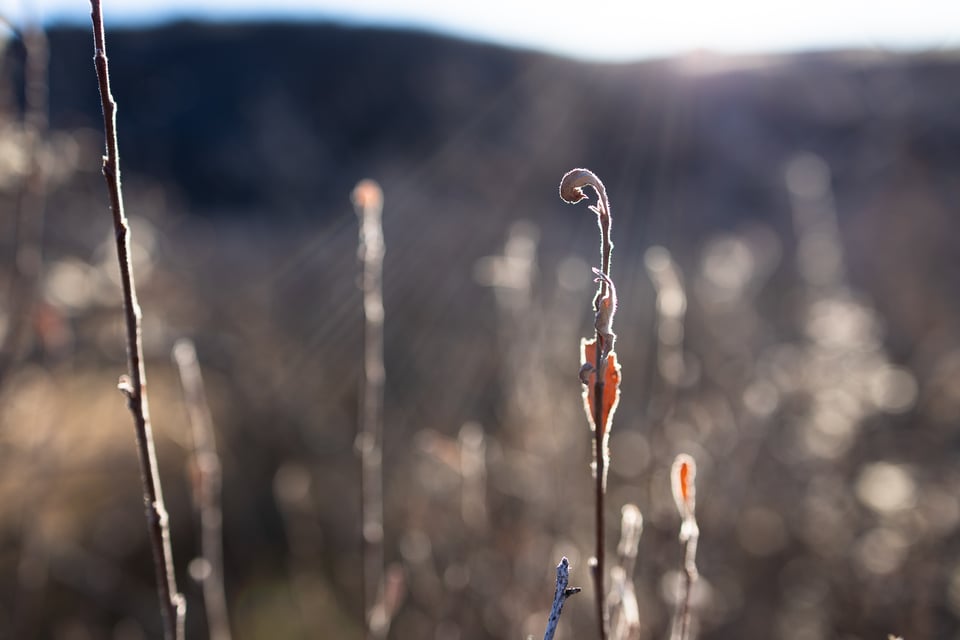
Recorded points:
(207, 486)
(631, 528)
(604, 305)
(683, 476)
(560, 596)
(134, 384)
(32, 198)
(596, 566)
(622, 601)
(599, 493)
(690, 575)
(368, 202)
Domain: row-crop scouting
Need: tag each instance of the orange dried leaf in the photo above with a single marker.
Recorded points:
(611, 386)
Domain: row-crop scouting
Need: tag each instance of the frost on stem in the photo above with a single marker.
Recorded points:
(606, 387)
(605, 311)
(599, 370)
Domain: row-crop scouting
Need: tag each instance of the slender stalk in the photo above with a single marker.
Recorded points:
(631, 528)
(134, 384)
(560, 596)
(622, 600)
(368, 202)
(690, 575)
(604, 305)
(599, 493)
(207, 484)
(683, 476)
(32, 198)
(596, 567)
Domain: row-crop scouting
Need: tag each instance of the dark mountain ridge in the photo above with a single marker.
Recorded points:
(276, 117)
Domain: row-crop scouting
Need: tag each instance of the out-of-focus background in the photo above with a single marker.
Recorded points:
(785, 214)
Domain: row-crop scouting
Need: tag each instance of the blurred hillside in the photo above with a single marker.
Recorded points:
(785, 233)
(275, 121)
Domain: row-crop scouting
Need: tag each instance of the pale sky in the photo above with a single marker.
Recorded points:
(595, 29)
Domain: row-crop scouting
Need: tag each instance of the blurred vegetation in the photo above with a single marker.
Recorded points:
(785, 233)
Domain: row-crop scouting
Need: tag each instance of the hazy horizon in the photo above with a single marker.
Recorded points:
(610, 32)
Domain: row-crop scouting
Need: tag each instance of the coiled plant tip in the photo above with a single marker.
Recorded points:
(571, 191)
(573, 182)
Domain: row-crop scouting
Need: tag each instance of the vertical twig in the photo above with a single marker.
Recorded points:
(134, 385)
(207, 483)
(368, 201)
(631, 528)
(560, 596)
(624, 611)
(473, 477)
(671, 312)
(683, 477)
(601, 376)
(32, 198)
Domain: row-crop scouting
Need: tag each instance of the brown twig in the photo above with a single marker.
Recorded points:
(207, 482)
(368, 202)
(134, 385)
(594, 374)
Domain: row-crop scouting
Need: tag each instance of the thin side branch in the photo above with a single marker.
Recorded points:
(207, 482)
(559, 597)
(134, 384)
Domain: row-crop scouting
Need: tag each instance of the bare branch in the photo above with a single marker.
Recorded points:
(134, 385)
